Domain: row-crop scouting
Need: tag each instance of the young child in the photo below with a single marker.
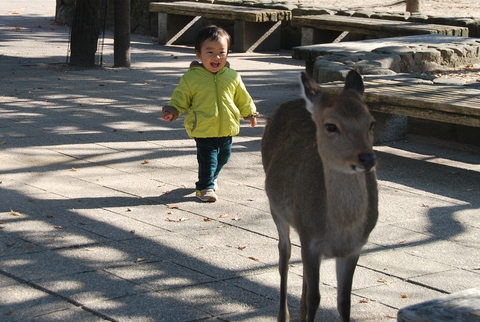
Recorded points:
(214, 97)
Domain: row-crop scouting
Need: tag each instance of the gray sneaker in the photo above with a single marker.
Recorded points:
(206, 195)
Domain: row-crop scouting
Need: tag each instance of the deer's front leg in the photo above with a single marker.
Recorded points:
(345, 267)
(284, 251)
(310, 292)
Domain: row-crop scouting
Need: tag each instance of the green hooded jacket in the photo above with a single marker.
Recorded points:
(214, 102)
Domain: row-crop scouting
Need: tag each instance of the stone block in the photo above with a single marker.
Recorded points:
(389, 127)
(330, 74)
(461, 306)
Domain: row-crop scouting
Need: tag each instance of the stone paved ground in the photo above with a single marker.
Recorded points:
(98, 221)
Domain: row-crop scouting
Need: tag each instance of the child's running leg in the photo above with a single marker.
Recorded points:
(207, 163)
(224, 153)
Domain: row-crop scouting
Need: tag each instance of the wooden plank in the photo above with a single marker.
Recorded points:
(225, 12)
(449, 104)
(377, 27)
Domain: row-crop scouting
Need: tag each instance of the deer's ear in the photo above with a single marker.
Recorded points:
(354, 82)
(310, 91)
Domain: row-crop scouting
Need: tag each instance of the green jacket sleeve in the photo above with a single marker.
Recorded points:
(243, 100)
(181, 97)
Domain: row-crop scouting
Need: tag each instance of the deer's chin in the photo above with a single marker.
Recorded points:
(357, 169)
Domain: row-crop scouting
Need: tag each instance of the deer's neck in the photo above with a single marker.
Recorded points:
(347, 198)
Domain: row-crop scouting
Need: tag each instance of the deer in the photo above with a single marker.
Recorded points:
(320, 179)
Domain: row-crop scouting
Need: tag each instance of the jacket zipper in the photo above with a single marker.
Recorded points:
(218, 104)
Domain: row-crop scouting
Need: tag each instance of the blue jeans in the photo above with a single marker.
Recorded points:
(212, 155)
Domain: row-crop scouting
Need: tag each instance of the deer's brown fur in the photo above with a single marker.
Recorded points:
(320, 179)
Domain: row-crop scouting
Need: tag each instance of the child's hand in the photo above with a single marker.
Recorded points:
(253, 121)
(167, 116)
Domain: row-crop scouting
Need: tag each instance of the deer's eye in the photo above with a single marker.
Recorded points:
(331, 127)
(372, 126)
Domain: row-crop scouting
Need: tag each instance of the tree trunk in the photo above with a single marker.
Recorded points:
(414, 6)
(121, 35)
(85, 32)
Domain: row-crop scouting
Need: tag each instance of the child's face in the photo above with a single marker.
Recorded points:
(213, 54)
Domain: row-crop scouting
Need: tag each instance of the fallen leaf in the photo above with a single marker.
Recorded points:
(253, 258)
(176, 220)
(145, 162)
(237, 218)
(241, 247)
(59, 227)
(207, 219)
(73, 170)
(224, 216)
(132, 231)
(425, 205)
(15, 213)
(172, 206)
(140, 260)
(363, 301)
(15, 13)
(404, 296)
(384, 281)
(128, 209)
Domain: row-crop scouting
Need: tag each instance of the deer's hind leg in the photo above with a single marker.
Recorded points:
(284, 251)
(345, 267)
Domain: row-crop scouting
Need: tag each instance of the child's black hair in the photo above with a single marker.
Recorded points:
(211, 32)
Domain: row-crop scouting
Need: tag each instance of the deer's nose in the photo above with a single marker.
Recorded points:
(367, 160)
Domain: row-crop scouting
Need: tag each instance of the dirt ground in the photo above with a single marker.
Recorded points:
(449, 8)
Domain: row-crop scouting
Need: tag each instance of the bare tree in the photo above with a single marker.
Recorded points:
(121, 45)
(85, 32)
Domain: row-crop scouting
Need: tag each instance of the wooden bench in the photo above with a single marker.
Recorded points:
(313, 28)
(399, 96)
(392, 101)
(254, 28)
